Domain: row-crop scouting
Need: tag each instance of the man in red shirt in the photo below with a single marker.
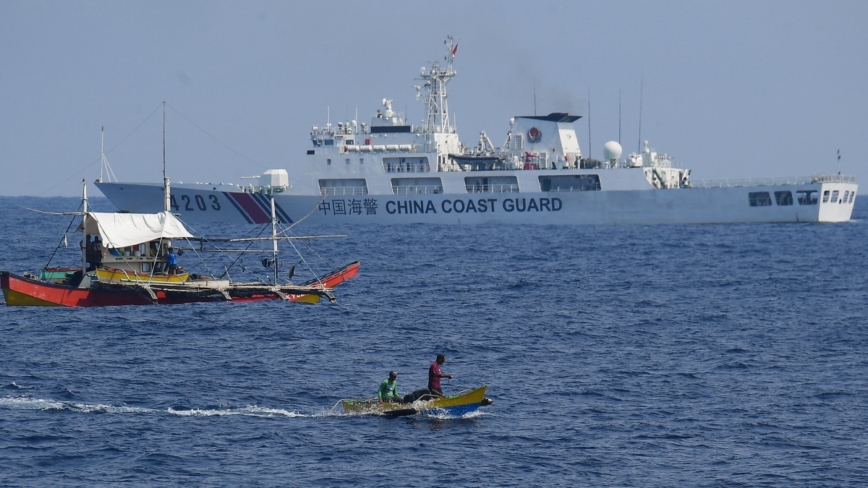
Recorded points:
(434, 376)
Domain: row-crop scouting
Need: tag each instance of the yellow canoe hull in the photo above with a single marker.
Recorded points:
(458, 404)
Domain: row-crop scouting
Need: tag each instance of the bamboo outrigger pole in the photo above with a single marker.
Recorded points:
(168, 203)
(83, 243)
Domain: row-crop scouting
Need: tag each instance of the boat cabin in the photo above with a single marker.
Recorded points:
(138, 247)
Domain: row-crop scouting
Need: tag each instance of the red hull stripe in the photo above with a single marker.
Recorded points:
(265, 204)
(249, 205)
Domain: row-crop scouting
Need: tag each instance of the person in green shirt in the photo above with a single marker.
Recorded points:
(388, 391)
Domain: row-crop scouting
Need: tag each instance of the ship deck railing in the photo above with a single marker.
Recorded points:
(505, 188)
(788, 180)
(417, 190)
(390, 167)
(343, 190)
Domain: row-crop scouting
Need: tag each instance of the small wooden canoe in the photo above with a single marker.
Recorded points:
(456, 405)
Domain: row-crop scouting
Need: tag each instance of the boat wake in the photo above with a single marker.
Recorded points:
(28, 403)
(443, 415)
(250, 411)
(42, 404)
(50, 405)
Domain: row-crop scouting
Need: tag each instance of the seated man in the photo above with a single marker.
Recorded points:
(388, 391)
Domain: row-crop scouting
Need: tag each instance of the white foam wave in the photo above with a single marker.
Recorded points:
(443, 415)
(252, 411)
(100, 408)
(24, 403)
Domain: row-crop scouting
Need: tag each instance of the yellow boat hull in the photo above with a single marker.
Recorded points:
(457, 405)
(110, 275)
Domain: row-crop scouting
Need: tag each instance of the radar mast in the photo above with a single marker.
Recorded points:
(436, 78)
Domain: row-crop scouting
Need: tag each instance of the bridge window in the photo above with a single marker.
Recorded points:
(852, 196)
(825, 196)
(835, 196)
(784, 198)
(347, 186)
(492, 184)
(759, 199)
(407, 164)
(570, 183)
(416, 186)
(807, 197)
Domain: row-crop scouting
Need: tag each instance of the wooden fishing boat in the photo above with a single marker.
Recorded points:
(137, 249)
(456, 405)
(32, 293)
(24, 291)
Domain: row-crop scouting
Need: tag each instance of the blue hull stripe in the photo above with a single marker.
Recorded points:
(460, 410)
(265, 204)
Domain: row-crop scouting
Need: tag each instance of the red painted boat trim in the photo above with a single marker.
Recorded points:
(23, 291)
(19, 290)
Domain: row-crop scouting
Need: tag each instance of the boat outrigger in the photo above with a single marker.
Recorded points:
(128, 263)
(459, 404)
(128, 259)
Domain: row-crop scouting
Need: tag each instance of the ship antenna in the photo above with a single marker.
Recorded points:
(101, 151)
(436, 79)
(839, 161)
(104, 164)
(534, 96)
(619, 116)
(641, 94)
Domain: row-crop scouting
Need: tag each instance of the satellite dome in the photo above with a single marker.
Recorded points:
(612, 150)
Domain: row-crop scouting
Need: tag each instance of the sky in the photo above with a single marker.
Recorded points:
(734, 89)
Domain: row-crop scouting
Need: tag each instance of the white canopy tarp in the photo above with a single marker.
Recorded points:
(129, 229)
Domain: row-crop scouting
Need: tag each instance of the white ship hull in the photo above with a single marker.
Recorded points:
(391, 172)
(196, 203)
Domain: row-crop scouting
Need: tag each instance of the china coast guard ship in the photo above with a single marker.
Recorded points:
(390, 172)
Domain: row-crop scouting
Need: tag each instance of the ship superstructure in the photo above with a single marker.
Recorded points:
(391, 171)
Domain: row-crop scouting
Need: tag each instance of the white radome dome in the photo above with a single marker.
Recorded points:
(612, 150)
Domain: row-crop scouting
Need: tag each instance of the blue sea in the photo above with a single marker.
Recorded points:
(702, 355)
